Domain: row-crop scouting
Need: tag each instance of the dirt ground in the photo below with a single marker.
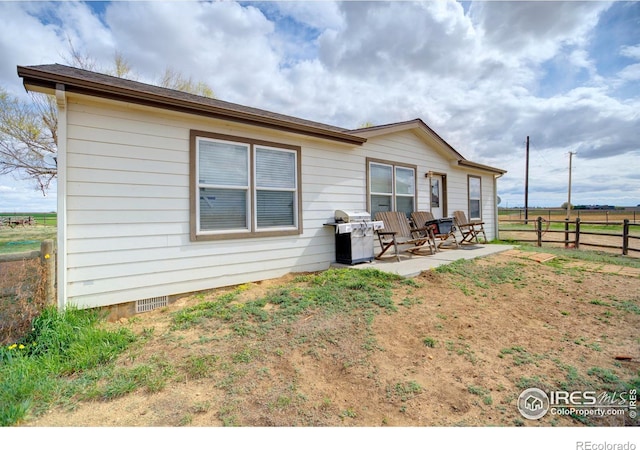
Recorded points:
(457, 352)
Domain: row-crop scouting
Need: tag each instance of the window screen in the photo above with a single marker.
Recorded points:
(223, 185)
(392, 188)
(275, 188)
(475, 197)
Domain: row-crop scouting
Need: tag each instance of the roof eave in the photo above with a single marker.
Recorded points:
(37, 80)
(474, 165)
(417, 125)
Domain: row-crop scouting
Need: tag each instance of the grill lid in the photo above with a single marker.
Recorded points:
(351, 216)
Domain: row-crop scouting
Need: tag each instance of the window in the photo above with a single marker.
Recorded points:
(435, 193)
(475, 198)
(391, 187)
(242, 187)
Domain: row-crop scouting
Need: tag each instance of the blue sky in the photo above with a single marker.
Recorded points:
(484, 75)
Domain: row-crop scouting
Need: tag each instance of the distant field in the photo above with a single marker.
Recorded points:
(589, 215)
(27, 238)
(46, 219)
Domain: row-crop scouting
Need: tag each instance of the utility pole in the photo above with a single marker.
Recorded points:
(526, 187)
(569, 195)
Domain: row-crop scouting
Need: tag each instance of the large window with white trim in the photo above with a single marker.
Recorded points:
(243, 187)
(392, 187)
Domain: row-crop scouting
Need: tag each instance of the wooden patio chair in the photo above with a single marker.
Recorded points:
(426, 219)
(397, 231)
(469, 229)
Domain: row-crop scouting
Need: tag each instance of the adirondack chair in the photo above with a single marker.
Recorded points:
(397, 231)
(469, 229)
(422, 219)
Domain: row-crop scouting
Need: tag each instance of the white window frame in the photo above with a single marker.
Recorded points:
(294, 189)
(246, 188)
(478, 199)
(395, 187)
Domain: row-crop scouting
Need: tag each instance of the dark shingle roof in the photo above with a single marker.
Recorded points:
(98, 84)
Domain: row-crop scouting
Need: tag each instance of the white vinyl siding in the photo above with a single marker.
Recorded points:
(128, 208)
(129, 201)
(409, 149)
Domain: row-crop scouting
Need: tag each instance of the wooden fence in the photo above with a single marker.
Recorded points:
(14, 221)
(572, 233)
(46, 254)
(603, 216)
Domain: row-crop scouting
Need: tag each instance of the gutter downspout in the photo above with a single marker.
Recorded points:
(61, 101)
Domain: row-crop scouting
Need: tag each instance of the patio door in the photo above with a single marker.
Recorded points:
(438, 187)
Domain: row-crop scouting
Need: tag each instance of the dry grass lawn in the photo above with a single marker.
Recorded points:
(449, 348)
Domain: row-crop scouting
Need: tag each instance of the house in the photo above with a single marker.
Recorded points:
(161, 192)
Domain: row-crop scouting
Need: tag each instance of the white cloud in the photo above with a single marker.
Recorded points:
(631, 51)
(22, 196)
(484, 79)
(630, 73)
(535, 30)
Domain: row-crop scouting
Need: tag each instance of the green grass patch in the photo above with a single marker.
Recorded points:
(472, 275)
(429, 342)
(404, 391)
(605, 375)
(34, 373)
(332, 291)
(28, 238)
(482, 393)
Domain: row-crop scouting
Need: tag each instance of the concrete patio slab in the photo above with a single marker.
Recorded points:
(412, 265)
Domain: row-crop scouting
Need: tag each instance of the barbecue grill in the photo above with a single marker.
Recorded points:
(354, 236)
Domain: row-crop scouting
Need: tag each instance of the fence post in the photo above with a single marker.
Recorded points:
(566, 233)
(48, 264)
(577, 233)
(539, 231)
(625, 237)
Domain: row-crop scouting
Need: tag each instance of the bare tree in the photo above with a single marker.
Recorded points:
(29, 130)
(28, 138)
(78, 59)
(174, 80)
(121, 67)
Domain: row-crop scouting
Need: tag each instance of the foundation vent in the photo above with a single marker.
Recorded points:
(149, 304)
